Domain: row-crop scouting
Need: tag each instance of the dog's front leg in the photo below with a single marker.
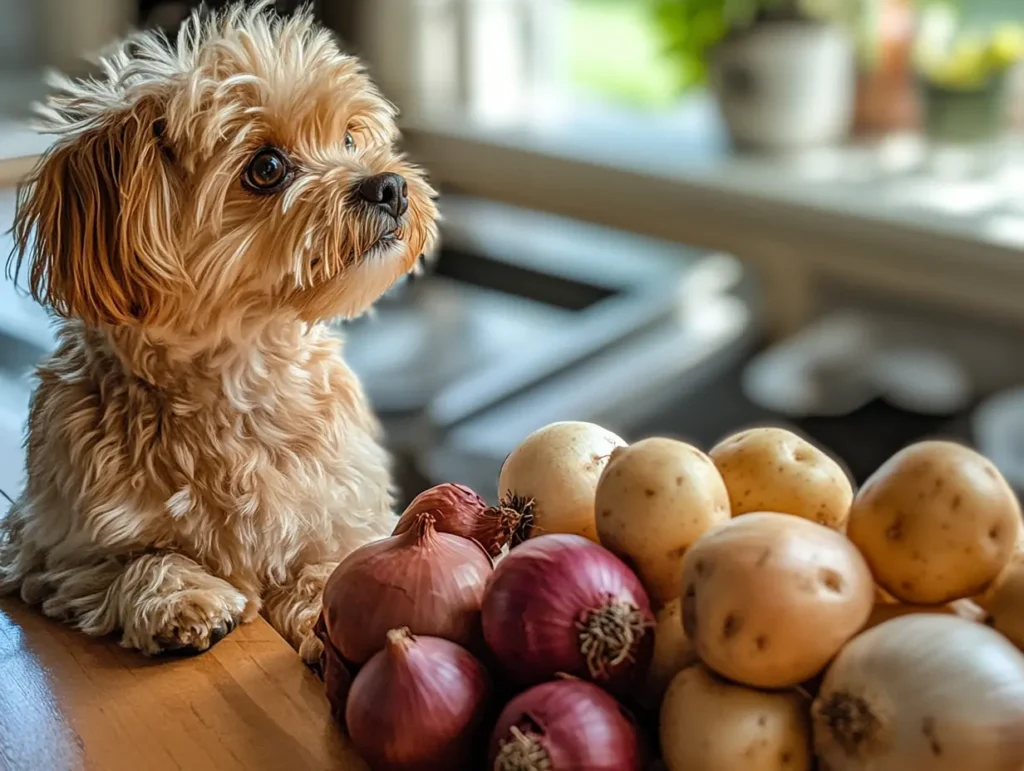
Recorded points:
(161, 602)
(292, 609)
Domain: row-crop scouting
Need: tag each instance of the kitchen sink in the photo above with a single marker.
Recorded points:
(526, 318)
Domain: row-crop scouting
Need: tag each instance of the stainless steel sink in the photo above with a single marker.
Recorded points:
(527, 318)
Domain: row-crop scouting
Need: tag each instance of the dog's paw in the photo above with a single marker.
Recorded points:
(196, 638)
(188, 622)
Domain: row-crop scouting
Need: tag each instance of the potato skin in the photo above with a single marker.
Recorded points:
(655, 498)
(771, 469)
(672, 653)
(558, 466)
(937, 522)
(1015, 563)
(708, 724)
(769, 599)
(1004, 602)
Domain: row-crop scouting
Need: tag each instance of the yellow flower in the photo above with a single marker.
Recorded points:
(966, 66)
(1007, 46)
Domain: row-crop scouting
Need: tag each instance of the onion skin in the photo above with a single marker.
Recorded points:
(545, 600)
(565, 725)
(432, 583)
(457, 510)
(418, 705)
(334, 672)
(923, 693)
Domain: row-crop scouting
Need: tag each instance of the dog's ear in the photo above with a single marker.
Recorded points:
(96, 221)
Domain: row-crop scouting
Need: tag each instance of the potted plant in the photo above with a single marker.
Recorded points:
(964, 71)
(783, 71)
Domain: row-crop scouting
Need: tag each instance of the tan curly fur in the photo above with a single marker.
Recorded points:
(198, 451)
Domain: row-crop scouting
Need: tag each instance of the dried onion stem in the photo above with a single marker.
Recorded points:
(522, 752)
(610, 634)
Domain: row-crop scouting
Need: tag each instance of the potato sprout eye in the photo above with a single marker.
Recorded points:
(267, 172)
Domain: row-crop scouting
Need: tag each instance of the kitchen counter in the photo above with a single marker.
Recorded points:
(70, 702)
(887, 217)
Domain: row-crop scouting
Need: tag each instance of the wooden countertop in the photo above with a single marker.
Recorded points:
(69, 702)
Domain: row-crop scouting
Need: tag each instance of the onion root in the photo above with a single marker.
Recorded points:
(851, 723)
(609, 634)
(510, 516)
(523, 752)
(517, 513)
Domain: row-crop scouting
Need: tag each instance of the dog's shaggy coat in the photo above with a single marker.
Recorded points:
(198, 452)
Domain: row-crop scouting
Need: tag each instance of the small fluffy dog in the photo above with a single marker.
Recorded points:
(198, 452)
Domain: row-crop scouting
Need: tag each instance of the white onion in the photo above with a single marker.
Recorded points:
(923, 693)
(547, 484)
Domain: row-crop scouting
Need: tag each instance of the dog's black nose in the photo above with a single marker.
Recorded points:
(388, 191)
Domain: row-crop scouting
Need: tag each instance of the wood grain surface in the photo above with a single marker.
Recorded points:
(69, 702)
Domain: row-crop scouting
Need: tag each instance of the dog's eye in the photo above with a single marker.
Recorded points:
(267, 171)
(350, 143)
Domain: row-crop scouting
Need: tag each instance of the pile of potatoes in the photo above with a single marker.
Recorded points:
(802, 624)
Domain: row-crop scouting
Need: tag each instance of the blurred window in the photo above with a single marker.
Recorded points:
(615, 55)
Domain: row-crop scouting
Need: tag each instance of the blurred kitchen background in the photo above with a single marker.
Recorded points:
(666, 216)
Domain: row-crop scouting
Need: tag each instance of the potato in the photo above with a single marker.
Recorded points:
(985, 598)
(937, 522)
(551, 477)
(769, 599)
(885, 611)
(656, 498)
(771, 469)
(672, 653)
(708, 724)
(1004, 603)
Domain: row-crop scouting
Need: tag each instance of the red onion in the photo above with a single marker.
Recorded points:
(565, 725)
(460, 511)
(431, 582)
(563, 604)
(334, 672)
(418, 705)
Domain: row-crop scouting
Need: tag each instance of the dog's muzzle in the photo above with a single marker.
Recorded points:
(389, 193)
